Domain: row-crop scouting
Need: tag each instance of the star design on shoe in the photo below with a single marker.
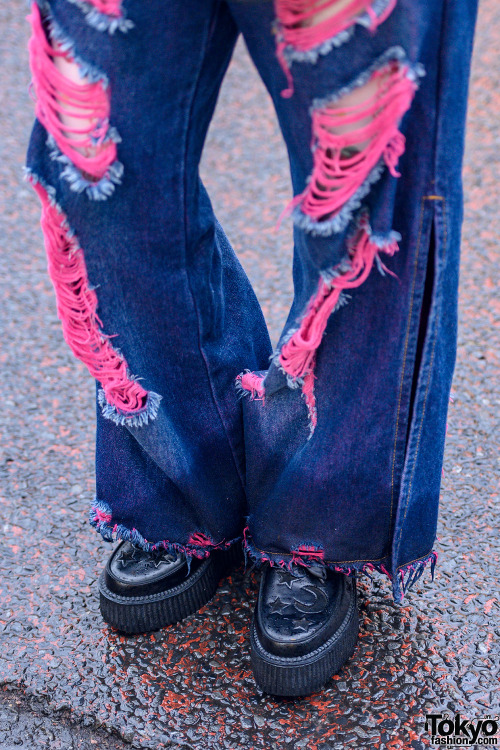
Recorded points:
(288, 583)
(155, 562)
(127, 558)
(301, 625)
(278, 606)
(143, 560)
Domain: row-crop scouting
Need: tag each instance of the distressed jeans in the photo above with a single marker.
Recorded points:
(327, 450)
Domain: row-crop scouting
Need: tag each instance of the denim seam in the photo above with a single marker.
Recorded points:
(431, 362)
(344, 562)
(422, 203)
(193, 92)
(407, 338)
(417, 559)
(326, 562)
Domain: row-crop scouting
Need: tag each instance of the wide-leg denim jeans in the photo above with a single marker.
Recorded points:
(329, 449)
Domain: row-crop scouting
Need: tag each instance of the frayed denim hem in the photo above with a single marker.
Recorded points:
(310, 555)
(131, 419)
(199, 544)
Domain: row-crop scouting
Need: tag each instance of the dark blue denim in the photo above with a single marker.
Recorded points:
(349, 477)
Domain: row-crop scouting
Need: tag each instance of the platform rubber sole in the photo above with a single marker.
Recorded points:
(303, 675)
(143, 614)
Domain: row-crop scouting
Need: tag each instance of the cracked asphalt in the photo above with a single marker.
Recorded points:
(69, 682)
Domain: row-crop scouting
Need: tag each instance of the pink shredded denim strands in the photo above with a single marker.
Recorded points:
(100, 516)
(200, 540)
(298, 29)
(307, 554)
(251, 383)
(297, 355)
(108, 7)
(57, 96)
(335, 177)
(77, 311)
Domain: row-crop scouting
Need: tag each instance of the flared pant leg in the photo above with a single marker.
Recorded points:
(150, 293)
(344, 432)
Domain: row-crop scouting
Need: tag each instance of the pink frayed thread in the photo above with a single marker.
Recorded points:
(57, 95)
(297, 355)
(200, 545)
(108, 7)
(345, 570)
(384, 570)
(295, 31)
(200, 540)
(336, 177)
(307, 553)
(252, 383)
(101, 516)
(280, 50)
(77, 311)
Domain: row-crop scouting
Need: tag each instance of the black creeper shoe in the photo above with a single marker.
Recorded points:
(304, 628)
(144, 591)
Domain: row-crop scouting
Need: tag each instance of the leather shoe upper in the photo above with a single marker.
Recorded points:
(131, 571)
(298, 610)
